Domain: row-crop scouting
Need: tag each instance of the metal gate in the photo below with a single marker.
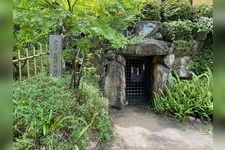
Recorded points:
(138, 80)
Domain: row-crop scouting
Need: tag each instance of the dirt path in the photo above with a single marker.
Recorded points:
(137, 128)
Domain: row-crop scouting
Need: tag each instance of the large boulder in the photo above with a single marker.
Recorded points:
(147, 28)
(148, 47)
(181, 67)
(168, 60)
(114, 84)
(161, 75)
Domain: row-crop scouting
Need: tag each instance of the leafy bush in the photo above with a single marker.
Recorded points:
(176, 9)
(202, 25)
(47, 115)
(202, 60)
(188, 97)
(151, 10)
(203, 10)
(183, 47)
(177, 30)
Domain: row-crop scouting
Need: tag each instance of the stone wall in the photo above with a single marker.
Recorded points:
(113, 81)
(113, 78)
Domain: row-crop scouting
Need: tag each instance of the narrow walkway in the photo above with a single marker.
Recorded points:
(137, 128)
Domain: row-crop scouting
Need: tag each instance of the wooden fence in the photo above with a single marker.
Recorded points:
(29, 62)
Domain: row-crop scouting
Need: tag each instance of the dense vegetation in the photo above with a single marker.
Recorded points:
(185, 26)
(188, 97)
(49, 116)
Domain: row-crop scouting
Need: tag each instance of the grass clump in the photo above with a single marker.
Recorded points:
(49, 116)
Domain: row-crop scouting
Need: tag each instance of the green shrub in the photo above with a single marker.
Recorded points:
(202, 60)
(177, 30)
(47, 115)
(202, 25)
(203, 10)
(176, 9)
(183, 47)
(187, 97)
(151, 10)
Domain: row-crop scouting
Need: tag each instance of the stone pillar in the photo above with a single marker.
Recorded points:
(115, 83)
(161, 75)
(55, 49)
(162, 71)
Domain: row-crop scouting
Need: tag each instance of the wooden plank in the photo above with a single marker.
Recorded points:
(28, 65)
(20, 69)
(35, 61)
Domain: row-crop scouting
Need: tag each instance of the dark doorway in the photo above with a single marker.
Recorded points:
(138, 80)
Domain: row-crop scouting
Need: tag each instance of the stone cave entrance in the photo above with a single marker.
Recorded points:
(139, 80)
(136, 72)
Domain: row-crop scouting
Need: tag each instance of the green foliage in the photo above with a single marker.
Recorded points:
(151, 10)
(183, 47)
(177, 30)
(203, 10)
(35, 20)
(176, 9)
(187, 97)
(202, 60)
(202, 25)
(183, 34)
(68, 54)
(47, 115)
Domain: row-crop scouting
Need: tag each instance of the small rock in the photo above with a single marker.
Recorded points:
(169, 60)
(167, 113)
(180, 66)
(147, 28)
(190, 118)
(198, 120)
(205, 122)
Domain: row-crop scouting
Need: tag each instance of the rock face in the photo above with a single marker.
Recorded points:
(147, 28)
(163, 59)
(169, 60)
(114, 84)
(161, 75)
(114, 81)
(149, 47)
(181, 68)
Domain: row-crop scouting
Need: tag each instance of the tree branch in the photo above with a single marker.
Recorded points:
(50, 4)
(69, 4)
(74, 4)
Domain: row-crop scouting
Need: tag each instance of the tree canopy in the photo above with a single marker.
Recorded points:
(34, 20)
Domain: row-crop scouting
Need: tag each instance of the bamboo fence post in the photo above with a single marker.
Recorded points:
(20, 72)
(35, 61)
(41, 50)
(28, 66)
(47, 56)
